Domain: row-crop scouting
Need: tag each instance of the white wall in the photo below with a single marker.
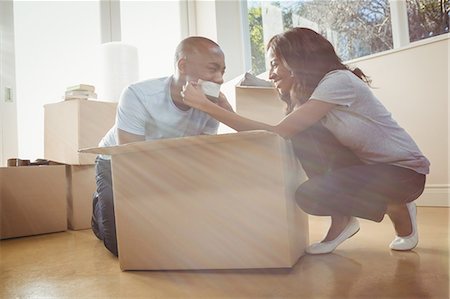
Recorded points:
(8, 108)
(221, 21)
(413, 83)
(56, 45)
(156, 48)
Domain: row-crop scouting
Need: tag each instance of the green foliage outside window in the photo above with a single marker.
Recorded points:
(256, 40)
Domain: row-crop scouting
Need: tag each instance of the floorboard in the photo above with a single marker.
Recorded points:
(74, 264)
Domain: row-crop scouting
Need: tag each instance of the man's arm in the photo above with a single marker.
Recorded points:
(125, 137)
(131, 117)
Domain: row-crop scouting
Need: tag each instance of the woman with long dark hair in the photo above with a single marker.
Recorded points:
(360, 162)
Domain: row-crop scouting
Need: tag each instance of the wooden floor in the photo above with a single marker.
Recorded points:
(74, 264)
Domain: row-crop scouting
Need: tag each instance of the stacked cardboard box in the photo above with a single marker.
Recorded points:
(80, 189)
(207, 202)
(32, 200)
(75, 124)
(68, 127)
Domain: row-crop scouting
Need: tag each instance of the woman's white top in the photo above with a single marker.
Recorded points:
(362, 123)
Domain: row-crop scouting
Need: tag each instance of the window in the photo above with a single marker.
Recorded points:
(355, 27)
(427, 18)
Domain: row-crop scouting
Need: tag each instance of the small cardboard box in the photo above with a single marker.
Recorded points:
(32, 200)
(74, 124)
(207, 202)
(81, 186)
(260, 103)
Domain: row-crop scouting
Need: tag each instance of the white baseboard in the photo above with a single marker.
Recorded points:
(435, 195)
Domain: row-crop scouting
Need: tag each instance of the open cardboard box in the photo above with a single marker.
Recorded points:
(207, 202)
(32, 200)
(74, 124)
(260, 103)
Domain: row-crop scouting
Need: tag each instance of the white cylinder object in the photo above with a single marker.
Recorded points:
(119, 67)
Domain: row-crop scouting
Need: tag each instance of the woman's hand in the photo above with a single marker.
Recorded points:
(193, 96)
(223, 102)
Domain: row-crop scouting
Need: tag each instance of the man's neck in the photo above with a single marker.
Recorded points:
(175, 88)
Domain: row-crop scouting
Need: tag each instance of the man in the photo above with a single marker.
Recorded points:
(154, 109)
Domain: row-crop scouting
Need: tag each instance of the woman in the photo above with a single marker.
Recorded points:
(372, 166)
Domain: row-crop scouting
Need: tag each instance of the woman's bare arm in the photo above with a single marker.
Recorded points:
(301, 118)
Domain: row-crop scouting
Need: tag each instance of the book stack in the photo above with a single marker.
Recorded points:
(80, 92)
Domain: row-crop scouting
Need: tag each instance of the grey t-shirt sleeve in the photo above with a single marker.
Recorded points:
(336, 88)
(131, 113)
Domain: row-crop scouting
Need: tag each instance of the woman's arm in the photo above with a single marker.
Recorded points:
(223, 102)
(302, 117)
(194, 97)
(298, 120)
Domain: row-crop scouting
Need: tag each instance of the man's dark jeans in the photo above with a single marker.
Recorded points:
(103, 221)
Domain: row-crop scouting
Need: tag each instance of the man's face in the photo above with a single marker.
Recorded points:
(208, 65)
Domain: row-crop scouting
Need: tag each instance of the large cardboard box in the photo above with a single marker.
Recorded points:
(260, 103)
(207, 202)
(74, 124)
(81, 186)
(32, 200)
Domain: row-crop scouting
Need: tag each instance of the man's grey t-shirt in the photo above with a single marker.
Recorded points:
(146, 108)
(364, 125)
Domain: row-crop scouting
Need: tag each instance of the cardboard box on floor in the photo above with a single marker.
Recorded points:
(207, 202)
(81, 186)
(260, 103)
(74, 124)
(32, 200)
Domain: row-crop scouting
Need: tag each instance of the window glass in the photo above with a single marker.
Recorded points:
(427, 18)
(56, 45)
(355, 27)
(154, 28)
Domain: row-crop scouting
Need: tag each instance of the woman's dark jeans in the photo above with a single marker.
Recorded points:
(341, 184)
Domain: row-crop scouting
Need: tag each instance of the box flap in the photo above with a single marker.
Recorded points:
(175, 142)
(256, 87)
(250, 80)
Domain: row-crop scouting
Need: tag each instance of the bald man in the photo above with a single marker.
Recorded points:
(154, 109)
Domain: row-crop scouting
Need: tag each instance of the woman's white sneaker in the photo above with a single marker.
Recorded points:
(411, 241)
(328, 246)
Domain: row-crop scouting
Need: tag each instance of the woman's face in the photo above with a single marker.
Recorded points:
(280, 74)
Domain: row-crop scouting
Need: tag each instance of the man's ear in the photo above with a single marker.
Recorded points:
(181, 64)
